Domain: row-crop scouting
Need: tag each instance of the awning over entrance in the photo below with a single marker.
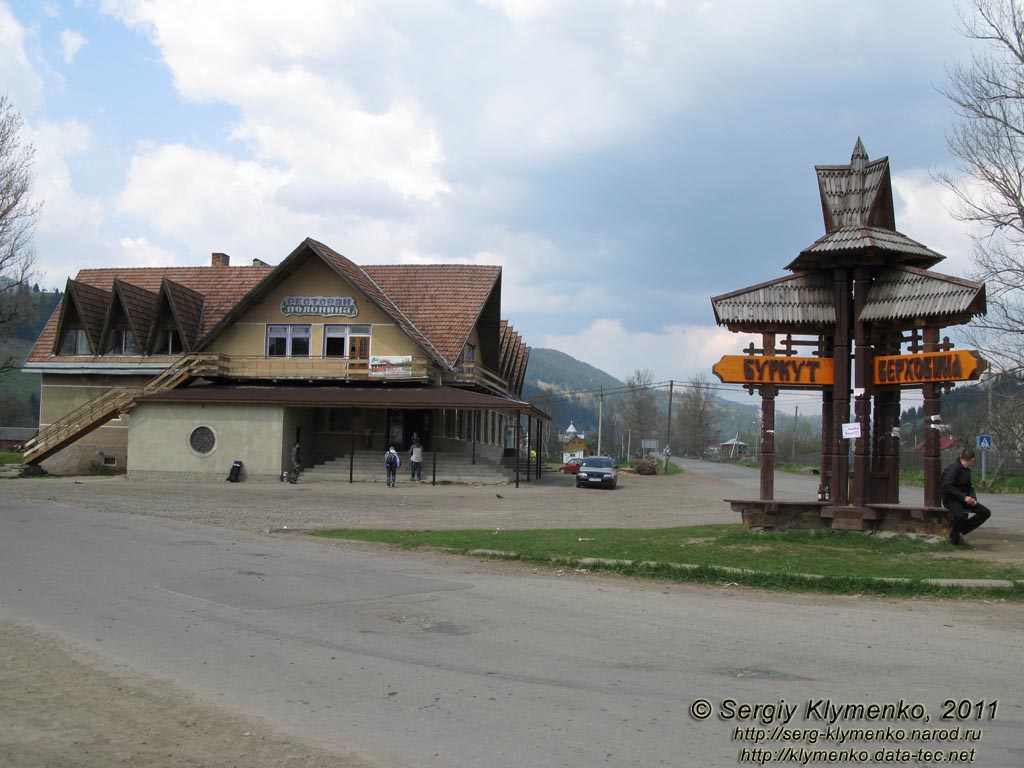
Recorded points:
(349, 397)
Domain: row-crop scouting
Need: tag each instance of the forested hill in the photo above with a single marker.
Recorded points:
(566, 388)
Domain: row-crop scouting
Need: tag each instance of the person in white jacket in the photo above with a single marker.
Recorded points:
(416, 459)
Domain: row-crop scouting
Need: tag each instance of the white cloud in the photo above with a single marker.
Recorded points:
(208, 201)
(673, 352)
(282, 70)
(924, 214)
(20, 80)
(71, 43)
(139, 252)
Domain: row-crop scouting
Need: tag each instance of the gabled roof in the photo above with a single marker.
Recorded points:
(222, 288)
(139, 308)
(805, 299)
(187, 307)
(900, 293)
(437, 306)
(86, 304)
(444, 301)
(860, 225)
(858, 194)
(855, 241)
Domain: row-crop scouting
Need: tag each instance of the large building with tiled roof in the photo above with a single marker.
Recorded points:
(177, 372)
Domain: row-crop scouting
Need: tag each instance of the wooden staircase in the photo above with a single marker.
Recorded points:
(115, 401)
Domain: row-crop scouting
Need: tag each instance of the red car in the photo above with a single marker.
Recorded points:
(572, 466)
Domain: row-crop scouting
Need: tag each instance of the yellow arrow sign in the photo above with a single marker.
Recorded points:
(955, 365)
(786, 371)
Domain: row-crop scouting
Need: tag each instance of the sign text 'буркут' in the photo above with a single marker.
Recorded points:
(791, 371)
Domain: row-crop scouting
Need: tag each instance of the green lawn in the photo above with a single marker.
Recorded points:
(844, 560)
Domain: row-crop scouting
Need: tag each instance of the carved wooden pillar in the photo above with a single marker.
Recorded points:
(862, 387)
(841, 387)
(932, 413)
(827, 440)
(767, 458)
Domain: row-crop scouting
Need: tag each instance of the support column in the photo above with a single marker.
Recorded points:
(862, 383)
(518, 428)
(827, 440)
(767, 448)
(529, 442)
(932, 408)
(841, 387)
(540, 444)
(768, 392)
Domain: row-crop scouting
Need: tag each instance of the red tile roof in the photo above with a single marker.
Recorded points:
(443, 300)
(437, 305)
(222, 288)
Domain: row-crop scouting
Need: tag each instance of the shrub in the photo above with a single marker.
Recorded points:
(644, 466)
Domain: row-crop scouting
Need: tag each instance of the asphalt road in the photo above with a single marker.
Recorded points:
(426, 660)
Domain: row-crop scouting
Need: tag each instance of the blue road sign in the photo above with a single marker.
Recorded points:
(984, 442)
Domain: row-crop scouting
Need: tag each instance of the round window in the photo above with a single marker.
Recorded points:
(202, 440)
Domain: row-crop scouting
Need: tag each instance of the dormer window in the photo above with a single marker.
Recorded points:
(167, 342)
(75, 342)
(122, 342)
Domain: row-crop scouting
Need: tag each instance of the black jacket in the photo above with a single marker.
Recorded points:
(956, 482)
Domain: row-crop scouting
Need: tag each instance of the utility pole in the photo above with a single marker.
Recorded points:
(600, 420)
(668, 438)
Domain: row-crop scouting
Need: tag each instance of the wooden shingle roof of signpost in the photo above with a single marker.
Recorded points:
(860, 225)
(856, 204)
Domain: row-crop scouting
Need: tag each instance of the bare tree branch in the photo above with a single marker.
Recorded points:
(17, 218)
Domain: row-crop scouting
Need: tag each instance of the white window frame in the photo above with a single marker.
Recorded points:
(346, 331)
(290, 335)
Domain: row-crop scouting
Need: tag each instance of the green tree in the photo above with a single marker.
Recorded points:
(640, 408)
(698, 413)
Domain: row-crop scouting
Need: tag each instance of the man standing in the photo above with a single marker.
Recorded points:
(959, 498)
(416, 458)
(391, 464)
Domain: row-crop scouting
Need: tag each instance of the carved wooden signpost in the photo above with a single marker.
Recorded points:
(865, 306)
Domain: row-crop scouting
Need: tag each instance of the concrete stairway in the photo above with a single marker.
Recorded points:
(368, 467)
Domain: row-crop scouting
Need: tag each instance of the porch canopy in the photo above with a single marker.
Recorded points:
(424, 397)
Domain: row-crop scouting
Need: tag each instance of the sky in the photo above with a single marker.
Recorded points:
(621, 160)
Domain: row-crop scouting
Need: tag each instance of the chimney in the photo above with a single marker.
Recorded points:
(220, 260)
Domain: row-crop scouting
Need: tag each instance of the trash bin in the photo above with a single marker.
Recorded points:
(236, 470)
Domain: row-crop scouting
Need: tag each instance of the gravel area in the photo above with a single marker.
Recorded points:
(552, 502)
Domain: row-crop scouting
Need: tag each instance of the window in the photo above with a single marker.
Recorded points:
(352, 341)
(75, 342)
(167, 342)
(109, 461)
(122, 342)
(202, 441)
(288, 340)
(339, 420)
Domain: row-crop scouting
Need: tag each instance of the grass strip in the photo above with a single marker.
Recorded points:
(839, 562)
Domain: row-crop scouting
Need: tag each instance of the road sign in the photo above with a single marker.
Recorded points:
(786, 371)
(984, 442)
(955, 365)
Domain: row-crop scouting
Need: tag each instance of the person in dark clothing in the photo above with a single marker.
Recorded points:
(959, 498)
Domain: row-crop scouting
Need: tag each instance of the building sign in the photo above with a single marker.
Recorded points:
(330, 306)
(851, 430)
(790, 371)
(956, 365)
(391, 366)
